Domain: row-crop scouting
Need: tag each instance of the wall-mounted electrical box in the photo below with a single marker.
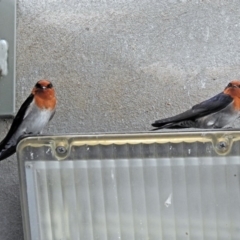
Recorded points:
(178, 185)
(7, 57)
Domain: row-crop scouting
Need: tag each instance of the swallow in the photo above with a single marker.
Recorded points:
(216, 112)
(34, 114)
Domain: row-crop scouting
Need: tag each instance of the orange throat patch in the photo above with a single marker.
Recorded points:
(45, 99)
(235, 94)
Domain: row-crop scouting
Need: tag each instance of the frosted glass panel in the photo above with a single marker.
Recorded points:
(156, 191)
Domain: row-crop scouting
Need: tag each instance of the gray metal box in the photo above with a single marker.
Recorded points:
(7, 57)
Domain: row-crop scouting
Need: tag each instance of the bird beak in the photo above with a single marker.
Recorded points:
(234, 86)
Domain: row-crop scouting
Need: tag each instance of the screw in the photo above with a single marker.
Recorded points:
(222, 145)
(61, 149)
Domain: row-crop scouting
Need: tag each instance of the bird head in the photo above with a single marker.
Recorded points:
(43, 87)
(44, 94)
(233, 84)
(233, 88)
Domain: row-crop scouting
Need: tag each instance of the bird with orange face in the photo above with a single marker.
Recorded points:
(34, 114)
(216, 112)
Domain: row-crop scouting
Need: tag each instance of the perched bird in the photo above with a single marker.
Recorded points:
(37, 110)
(216, 112)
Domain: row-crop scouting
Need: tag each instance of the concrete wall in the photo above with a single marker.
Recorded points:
(117, 65)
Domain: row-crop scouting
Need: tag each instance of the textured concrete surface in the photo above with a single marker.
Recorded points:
(117, 65)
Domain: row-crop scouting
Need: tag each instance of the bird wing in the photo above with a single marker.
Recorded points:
(53, 113)
(212, 105)
(6, 149)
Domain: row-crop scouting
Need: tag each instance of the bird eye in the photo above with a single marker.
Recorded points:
(229, 85)
(49, 85)
(38, 85)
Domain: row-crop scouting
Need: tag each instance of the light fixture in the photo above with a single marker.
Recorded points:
(178, 185)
